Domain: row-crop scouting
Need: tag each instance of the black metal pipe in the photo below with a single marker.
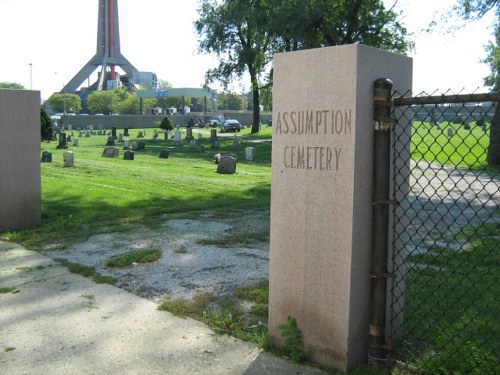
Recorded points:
(380, 226)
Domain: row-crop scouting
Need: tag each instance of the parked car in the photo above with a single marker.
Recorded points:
(230, 125)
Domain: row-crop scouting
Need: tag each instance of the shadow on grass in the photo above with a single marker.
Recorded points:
(71, 217)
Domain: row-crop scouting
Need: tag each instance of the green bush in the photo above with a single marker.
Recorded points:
(166, 124)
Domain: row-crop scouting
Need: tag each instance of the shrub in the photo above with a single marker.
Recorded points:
(166, 124)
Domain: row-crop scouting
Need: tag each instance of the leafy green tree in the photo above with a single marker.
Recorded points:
(65, 102)
(103, 102)
(474, 10)
(45, 125)
(318, 23)
(236, 31)
(230, 101)
(129, 106)
(11, 85)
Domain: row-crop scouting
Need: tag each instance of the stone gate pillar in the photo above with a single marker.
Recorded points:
(321, 201)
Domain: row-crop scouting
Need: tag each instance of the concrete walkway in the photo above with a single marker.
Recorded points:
(54, 322)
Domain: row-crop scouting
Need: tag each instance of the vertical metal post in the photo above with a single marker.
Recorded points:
(380, 228)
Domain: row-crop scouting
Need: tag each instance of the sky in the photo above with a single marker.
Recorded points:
(57, 37)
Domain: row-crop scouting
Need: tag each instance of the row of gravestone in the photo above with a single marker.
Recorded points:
(226, 164)
(249, 151)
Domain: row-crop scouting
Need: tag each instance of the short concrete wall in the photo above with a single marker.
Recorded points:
(148, 121)
(20, 186)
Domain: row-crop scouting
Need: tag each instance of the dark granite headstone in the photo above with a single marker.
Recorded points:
(164, 154)
(62, 141)
(46, 157)
(111, 141)
(128, 155)
(111, 152)
(125, 132)
(113, 132)
(141, 145)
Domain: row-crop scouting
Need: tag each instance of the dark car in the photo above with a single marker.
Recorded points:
(230, 125)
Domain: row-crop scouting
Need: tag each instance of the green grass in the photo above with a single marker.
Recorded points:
(140, 257)
(99, 195)
(7, 290)
(451, 314)
(466, 148)
(87, 271)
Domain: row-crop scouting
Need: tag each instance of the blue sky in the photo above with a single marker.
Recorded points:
(59, 36)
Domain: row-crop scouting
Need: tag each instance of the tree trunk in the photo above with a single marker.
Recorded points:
(256, 106)
(494, 148)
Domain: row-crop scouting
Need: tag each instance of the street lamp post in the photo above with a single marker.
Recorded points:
(31, 76)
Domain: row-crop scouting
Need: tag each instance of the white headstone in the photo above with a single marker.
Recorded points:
(200, 136)
(69, 159)
(250, 153)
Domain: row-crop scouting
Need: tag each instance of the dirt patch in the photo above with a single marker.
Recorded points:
(186, 266)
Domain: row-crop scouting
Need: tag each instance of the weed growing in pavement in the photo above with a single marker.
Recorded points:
(237, 239)
(87, 271)
(138, 257)
(7, 290)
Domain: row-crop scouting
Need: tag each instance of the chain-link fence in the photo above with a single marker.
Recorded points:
(445, 300)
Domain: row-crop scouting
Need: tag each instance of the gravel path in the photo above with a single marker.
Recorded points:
(186, 267)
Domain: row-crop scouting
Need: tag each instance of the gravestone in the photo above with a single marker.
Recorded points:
(87, 134)
(128, 155)
(192, 145)
(120, 137)
(70, 127)
(126, 144)
(135, 146)
(91, 127)
(62, 141)
(140, 135)
(111, 152)
(200, 137)
(164, 154)
(250, 153)
(75, 142)
(321, 196)
(177, 138)
(113, 132)
(125, 132)
(227, 164)
(236, 143)
(100, 127)
(69, 159)
(111, 141)
(141, 145)
(54, 135)
(189, 134)
(68, 138)
(213, 134)
(46, 157)
(450, 132)
(215, 145)
(81, 134)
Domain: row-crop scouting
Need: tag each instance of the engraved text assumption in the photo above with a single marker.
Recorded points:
(314, 122)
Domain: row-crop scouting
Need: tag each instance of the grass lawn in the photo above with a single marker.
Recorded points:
(465, 148)
(101, 194)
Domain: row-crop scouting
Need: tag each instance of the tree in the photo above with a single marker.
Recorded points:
(11, 85)
(129, 106)
(236, 31)
(318, 23)
(103, 102)
(65, 102)
(230, 101)
(45, 125)
(166, 124)
(474, 10)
